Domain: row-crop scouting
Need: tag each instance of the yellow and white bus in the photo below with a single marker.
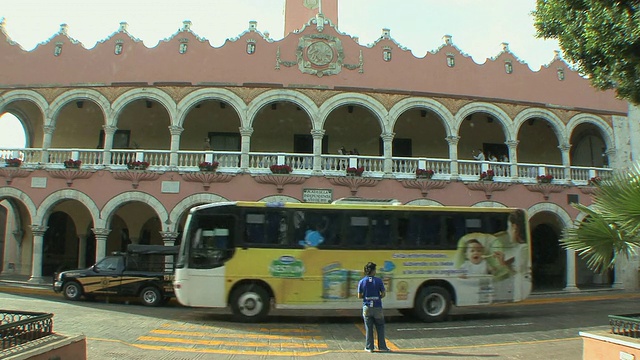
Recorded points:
(252, 256)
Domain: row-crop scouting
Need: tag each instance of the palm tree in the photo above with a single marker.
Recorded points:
(612, 226)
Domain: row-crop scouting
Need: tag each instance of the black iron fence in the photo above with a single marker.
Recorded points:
(17, 328)
(625, 325)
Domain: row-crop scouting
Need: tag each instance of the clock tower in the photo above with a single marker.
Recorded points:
(299, 12)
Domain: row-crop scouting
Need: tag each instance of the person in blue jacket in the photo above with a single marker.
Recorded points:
(371, 290)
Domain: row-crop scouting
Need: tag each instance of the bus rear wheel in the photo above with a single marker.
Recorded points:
(432, 304)
(250, 303)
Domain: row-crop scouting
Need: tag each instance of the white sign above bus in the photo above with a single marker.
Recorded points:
(323, 196)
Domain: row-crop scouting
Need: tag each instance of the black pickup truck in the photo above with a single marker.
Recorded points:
(142, 271)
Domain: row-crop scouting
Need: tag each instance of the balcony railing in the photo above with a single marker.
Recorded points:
(303, 164)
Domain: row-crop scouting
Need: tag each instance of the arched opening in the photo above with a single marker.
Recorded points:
(481, 131)
(211, 125)
(354, 129)
(60, 244)
(420, 133)
(588, 147)
(282, 127)
(12, 132)
(538, 143)
(134, 223)
(549, 260)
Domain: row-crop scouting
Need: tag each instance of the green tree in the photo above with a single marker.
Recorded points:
(612, 227)
(601, 38)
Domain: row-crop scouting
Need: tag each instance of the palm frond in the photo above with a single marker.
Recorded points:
(598, 240)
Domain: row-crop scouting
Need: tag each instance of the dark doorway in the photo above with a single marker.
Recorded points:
(495, 149)
(399, 147)
(303, 144)
(60, 244)
(548, 259)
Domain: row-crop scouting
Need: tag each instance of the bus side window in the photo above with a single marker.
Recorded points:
(276, 228)
(255, 228)
(358, 230)
(413, 231)
(381, 226)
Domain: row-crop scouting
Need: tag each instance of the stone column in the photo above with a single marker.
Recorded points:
(36, 258)
(169, 239)
(245, 147)
(109, 131)
(46, 142)
(513, 158)
(82, 251)
(387, 152)
(626, 272)
(175, 131)
(571, 271)
(101, 242)
(612, 159)
(453, 155)
(317, 135)
(565, 147)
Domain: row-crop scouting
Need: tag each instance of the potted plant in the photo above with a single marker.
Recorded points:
(208, 166)
(137, 165)
(352, 171)
(487, 175)
(424, 174)
(15, 162)
(595, 181)
(545, 179)
(280, 169)
(72, 164)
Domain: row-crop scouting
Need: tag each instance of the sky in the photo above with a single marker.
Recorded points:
(478, 27)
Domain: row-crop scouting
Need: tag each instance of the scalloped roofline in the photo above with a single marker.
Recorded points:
(121, 30)
(326, 22)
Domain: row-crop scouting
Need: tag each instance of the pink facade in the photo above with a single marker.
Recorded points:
(261, 102)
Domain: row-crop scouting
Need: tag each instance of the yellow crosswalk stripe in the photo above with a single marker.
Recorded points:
(233, 343)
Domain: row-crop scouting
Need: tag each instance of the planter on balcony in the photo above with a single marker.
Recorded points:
(424, 174)
(15, 162)
(545, 179)
(72, 164)
(280, 169)
(207, 166)
(487, 175)
(137, 165)
(352, 171)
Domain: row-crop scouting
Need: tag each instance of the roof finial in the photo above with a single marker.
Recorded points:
(319, 6)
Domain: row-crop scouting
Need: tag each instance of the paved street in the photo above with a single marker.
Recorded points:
(543, 327)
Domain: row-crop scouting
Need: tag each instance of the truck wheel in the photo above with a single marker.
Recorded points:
(250, 303)
(151, 296)
(432, 304)
(72, 291)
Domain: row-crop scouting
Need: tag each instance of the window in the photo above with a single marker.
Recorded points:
(120, 139)
(223, 141)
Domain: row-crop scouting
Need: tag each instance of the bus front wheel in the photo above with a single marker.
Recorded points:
(250, 303)
(432, 304)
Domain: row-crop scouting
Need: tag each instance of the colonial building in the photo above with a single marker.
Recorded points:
(116, 136)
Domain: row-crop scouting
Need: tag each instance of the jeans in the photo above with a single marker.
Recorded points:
(373, 316)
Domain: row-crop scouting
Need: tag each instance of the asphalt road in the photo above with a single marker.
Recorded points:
(543, 327)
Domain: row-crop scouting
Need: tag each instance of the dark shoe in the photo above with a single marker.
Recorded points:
(384, 350)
